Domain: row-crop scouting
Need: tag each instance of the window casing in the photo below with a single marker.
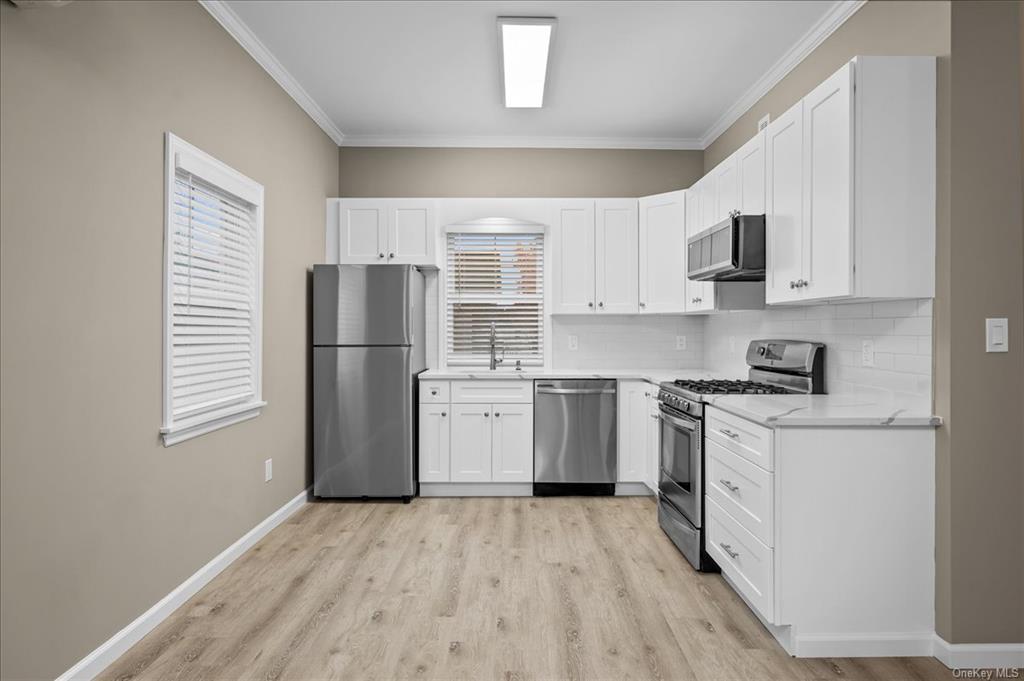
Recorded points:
(213, 281)
(495, 276)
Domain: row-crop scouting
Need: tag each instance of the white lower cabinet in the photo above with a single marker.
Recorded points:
(638, 433)
(475, 442)
(512, 443)
(435, 443)
(471, 443)
(744, 559)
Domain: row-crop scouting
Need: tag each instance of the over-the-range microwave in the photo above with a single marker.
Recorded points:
(732, 250)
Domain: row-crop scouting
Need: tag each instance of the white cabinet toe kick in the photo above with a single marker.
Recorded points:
(826, 533)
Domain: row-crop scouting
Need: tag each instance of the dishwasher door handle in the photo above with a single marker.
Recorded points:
(548, 390)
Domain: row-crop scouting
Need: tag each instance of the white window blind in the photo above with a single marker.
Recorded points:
(213, 297)
(495, 279)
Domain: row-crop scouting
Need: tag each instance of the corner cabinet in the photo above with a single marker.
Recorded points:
(382, 231)
(595, 257)
(663, 253)
(850, 186)
(638, 433)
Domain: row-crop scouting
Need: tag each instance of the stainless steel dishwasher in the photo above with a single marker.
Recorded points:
(575, 449)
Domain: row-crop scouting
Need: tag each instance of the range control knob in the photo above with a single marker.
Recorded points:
(760, 350)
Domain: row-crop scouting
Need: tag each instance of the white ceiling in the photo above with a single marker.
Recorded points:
(622, 74)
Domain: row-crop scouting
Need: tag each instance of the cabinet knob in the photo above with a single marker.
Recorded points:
(496, 414)
(600, 304)
(643, 304)
(380, 255)
(486, 414)
(590, 305)
(390, 255)
(443, 414)
(792, 284)
(433, 392)
(801, 283)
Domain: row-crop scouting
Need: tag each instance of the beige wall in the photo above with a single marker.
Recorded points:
(879, 28)
(981, 450)
(366, 171)
(99, 521)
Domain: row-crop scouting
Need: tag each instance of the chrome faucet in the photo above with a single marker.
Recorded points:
(495, 360)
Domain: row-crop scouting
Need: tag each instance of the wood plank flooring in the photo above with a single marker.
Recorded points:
(503, 588)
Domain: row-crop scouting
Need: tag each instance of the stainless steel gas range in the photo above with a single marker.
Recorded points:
(775, 367)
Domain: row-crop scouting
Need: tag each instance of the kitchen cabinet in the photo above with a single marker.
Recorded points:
(750, 165)
(435, 442)
(699, 295)
(638, 433)
(512, 443)
(653, 439)
(850, 186)
(471, 443)
(595, 257)
(385, 231)
(727, 189)
(663, 253)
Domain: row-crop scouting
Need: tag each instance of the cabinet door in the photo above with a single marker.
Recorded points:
(662, 253)
(362, 236)
(750, 168)
(827, 180)
(471, 443)
(700, 296)
(512, 443)
(435, 443)
(653, 446)
(411, 233)
(708, 202)
(784, 228)
(617, 240)
(727, 182)
(633, 411)
(573, 256)
(693, 214)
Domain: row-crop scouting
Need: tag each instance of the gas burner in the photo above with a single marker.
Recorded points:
(729, 387)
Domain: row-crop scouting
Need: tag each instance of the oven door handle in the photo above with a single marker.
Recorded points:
(676, 421)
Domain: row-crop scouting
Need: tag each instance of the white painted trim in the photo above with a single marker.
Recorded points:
(979, 655)
(632, 489)
(99, 659)
(238, 30)
(515, 142)
(826, 26)
(476, 489)
(880, 644)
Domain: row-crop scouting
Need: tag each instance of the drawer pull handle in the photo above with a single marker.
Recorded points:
(728, 549)
(731, 487)
(729, 433)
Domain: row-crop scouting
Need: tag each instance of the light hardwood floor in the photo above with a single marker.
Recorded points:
(510, 588)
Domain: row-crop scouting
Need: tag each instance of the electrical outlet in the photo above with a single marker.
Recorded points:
(268, 470)
(574, 342)
(867, 353)
(680, 342)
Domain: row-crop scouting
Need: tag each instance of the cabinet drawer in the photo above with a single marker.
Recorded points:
(477, 391)
(434, 392)
(745, 560)
(742, 489)
(748, 439)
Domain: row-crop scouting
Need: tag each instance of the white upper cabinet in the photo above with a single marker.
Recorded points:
(663, 253)
(383, 231)
(573, 258)
(595, 257)
(750, 165)
(617, 260)
(784, 228)
(850, 181)
(727, 189)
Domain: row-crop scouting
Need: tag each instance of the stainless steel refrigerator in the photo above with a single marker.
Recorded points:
(368, 348)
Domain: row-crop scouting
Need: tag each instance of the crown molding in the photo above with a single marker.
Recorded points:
(826, 26)
(539, 142)
(234, 25)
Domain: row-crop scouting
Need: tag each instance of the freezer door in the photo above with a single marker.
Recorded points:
(363, 304)
(363, 423)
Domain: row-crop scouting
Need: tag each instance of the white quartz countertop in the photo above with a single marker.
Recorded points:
(836, 411)
(532, 373)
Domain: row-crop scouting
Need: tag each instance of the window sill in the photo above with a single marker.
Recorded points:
(176, 434)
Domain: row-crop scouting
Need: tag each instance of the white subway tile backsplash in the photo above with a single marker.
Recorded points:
(627, 341)
(914, 326)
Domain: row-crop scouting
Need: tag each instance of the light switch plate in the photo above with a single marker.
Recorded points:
(867, 353)
(574, 342)
(680, 342)
(268, 470)
(997, 334)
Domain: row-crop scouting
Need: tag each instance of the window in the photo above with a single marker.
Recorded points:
(495, 280)
(213, 280)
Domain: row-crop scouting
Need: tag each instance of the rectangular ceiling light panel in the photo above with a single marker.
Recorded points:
(525, 46)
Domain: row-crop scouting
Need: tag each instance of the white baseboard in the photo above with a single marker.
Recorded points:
(98, 660)
(476, 489)
(979, 655)
(874, 644)
(632, 489)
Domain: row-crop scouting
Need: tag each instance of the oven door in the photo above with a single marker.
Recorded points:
(681, 462)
